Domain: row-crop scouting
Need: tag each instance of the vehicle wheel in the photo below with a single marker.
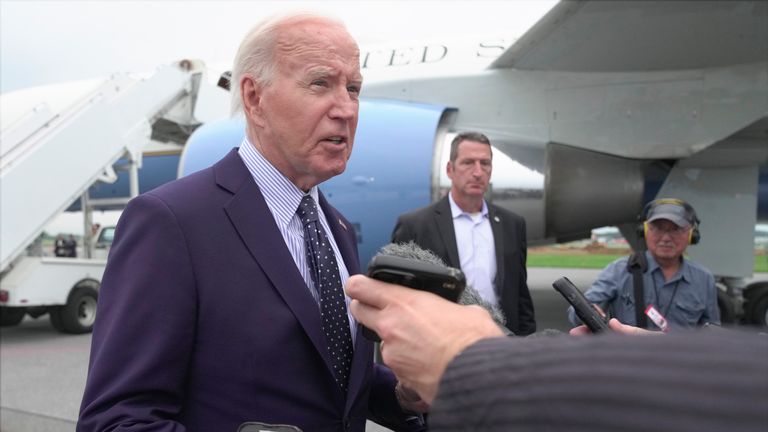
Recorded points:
(727, 311)
(756, 303)
(54, 314)
(78, 315)
(758, 313)
(11, 316)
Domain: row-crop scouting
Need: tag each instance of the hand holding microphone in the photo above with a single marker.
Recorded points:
(445, 281)
(422, 332)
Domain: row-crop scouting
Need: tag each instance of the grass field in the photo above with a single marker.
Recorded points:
(569, 257)
(548, 258)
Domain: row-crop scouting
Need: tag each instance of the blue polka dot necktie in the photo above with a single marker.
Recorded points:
(325, 275)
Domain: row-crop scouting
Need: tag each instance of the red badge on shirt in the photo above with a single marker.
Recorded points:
(657, 318)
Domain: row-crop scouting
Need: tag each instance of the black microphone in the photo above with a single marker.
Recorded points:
(469, 296)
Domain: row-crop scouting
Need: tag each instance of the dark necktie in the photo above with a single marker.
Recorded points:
(325, 275)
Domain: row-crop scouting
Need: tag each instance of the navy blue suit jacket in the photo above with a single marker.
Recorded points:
(204, 322)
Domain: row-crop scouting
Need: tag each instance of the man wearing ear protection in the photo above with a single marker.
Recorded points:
(675, 291)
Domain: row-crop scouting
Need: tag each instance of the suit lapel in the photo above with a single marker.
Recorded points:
(343, 233)
(498, 241)
(256, 226)
(444, 221)
(361, 362)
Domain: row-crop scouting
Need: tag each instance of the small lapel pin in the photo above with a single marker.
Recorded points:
(496, 219)
(342, 225)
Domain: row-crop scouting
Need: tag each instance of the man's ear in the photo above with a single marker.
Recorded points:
(250, 92)
(449, 170)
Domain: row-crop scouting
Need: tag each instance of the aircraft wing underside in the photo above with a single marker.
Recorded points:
(623, 36)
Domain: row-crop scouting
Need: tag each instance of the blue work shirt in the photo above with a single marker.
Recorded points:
(688, 299)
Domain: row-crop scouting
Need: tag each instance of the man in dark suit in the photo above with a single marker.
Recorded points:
(487, 242)
(213, 311)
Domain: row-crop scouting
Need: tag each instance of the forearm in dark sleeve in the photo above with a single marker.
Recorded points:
(680, 382)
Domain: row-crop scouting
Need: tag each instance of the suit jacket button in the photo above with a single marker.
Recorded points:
(347, 424)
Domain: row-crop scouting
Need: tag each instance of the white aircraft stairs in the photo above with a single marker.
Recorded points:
(48, 160)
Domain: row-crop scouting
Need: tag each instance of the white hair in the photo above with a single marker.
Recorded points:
(256, 54)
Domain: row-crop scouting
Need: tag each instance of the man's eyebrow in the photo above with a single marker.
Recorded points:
(322, 72)
(329, 72)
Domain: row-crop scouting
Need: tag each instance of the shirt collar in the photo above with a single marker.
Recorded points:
(456, 211)
(684, 271)
(281, 195)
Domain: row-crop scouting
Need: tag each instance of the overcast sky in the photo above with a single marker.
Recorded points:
(43, 42)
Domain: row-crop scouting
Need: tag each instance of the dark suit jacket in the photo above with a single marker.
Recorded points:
(204, 322)
(431, 228)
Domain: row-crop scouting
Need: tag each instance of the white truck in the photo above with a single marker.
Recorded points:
(65, 288)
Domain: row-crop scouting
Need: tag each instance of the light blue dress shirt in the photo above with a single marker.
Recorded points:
(477, 252)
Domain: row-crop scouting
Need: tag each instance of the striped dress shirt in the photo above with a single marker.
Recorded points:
(283, 198)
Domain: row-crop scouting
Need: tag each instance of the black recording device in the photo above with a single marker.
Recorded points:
(447, 282)
(586, 312)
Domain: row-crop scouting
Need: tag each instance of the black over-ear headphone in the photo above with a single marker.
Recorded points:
(642, 229)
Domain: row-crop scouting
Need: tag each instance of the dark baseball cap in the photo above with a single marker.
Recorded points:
(674, 212)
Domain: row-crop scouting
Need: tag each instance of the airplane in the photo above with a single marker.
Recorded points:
(597, 109)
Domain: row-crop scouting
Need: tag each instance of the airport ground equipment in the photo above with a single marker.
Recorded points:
(48, 160)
